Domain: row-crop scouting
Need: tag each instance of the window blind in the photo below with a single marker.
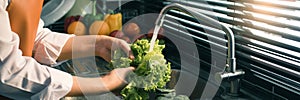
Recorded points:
(267, 34)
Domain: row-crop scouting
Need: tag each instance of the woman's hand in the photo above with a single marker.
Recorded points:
(117, 78)
(106, 44)
(114, 80)
(93, 45)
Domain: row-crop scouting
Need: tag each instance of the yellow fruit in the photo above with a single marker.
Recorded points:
(100, 28)
(77, 28)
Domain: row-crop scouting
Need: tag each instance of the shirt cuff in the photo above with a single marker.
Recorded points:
(48, 49)
(59, 86)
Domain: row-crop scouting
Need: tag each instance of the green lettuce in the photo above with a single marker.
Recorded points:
(152, 71)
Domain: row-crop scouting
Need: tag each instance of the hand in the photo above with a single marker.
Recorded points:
(106, 44)
(117, 78)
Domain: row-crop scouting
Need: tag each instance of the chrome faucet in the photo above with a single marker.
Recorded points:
(230, 71)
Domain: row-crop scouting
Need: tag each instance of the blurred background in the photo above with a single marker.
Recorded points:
(267, 34)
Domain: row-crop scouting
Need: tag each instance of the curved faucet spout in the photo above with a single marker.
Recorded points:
(231, 63)
(230, 70)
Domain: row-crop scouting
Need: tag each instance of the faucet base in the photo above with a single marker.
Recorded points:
(230, 96)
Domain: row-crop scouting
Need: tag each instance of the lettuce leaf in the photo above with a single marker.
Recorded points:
(152, 71)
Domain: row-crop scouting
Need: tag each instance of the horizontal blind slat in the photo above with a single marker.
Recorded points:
(251, 20)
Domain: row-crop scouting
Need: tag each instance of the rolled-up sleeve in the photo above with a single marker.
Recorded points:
(23, 77)
(48, 45)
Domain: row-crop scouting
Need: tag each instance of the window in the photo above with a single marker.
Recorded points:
(267, 34)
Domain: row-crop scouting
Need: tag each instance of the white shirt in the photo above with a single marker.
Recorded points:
(23, 77)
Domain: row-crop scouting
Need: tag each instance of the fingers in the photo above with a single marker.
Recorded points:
(123, 72)
(105, 54)
(131, 68)
(118, 43)
(114, 43)
(110, 44)
(125, 47)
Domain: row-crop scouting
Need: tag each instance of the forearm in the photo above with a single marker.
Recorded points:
(92, 45)
(92, 86)
(78, 46)
(89, 86)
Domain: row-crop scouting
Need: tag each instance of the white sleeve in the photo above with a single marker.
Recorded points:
(22, 77)
(3, 4)
(48, 45)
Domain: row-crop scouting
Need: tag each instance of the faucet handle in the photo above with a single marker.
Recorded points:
(219, 76)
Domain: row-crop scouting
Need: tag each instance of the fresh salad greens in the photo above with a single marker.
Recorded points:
(152, 73)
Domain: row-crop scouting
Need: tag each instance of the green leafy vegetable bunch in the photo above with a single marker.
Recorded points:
(152, 72)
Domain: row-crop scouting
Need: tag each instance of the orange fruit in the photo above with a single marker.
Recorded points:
(100, 28)
(77, 28)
